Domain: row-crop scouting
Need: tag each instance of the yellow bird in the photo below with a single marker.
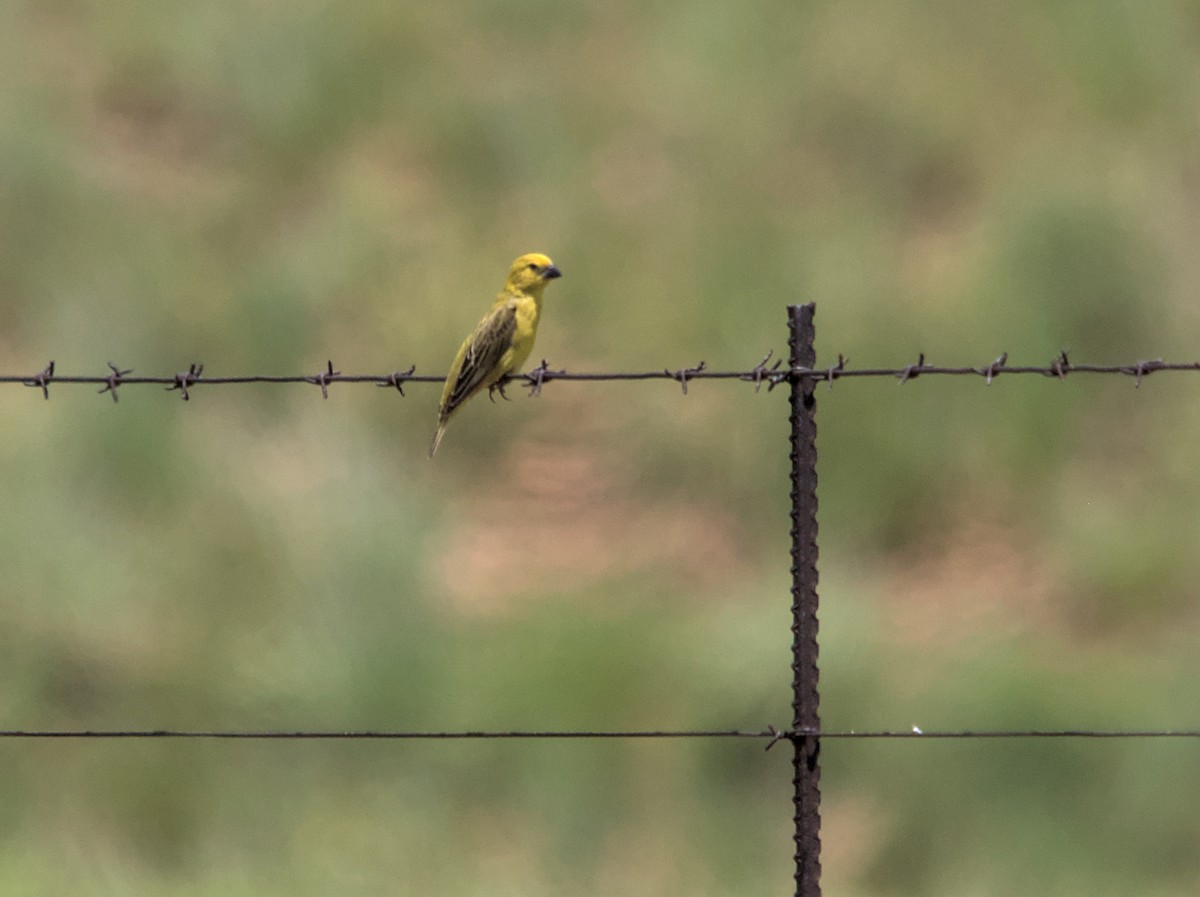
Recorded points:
(501, 342)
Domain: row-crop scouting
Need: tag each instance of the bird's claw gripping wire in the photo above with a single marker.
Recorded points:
(42, 380)
(498, 386)
(324, 378)
(683, 374)
(397, 378)
(113, 381)
(184, 379)
(537, 377)
(994, 368)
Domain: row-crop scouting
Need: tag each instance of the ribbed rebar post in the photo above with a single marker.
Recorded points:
(806, 766)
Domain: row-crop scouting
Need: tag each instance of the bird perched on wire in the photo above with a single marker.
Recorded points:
(500, 342)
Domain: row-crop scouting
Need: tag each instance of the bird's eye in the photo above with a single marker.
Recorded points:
(532, 266)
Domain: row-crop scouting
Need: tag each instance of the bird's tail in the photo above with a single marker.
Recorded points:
(437, 437)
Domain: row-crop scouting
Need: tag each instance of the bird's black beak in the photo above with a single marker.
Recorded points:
(551, 272)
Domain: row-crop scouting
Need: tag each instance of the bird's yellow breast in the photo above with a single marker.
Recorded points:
(528, 309)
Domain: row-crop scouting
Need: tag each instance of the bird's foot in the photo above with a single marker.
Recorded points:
(498, 386)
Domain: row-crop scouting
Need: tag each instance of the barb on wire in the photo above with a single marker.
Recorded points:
(776, 737)
(994, 368)
(324, 378)
(1143, 368)
(185, 379)
(1060, 367)
(912, 371)
(537, 377)
(835, 370)
(42, 380)
(762, 372)
(684, 374)
(397, 378)
(114, 380)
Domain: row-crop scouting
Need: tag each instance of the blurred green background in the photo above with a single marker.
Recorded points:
(261, 187)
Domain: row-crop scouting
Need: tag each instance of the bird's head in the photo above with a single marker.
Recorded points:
(530, 272)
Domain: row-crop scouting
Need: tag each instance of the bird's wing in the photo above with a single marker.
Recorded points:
(487, 345)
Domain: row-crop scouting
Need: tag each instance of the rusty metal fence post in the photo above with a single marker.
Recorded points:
(806, 767)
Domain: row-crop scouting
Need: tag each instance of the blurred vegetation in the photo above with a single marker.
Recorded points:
(262, 187)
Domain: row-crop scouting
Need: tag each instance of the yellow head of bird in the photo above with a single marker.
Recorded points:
(530, 272)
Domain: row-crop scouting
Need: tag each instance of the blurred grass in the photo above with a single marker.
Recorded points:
(265, 187)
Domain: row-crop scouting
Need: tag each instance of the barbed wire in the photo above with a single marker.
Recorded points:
(762, 373)
(770, 734)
